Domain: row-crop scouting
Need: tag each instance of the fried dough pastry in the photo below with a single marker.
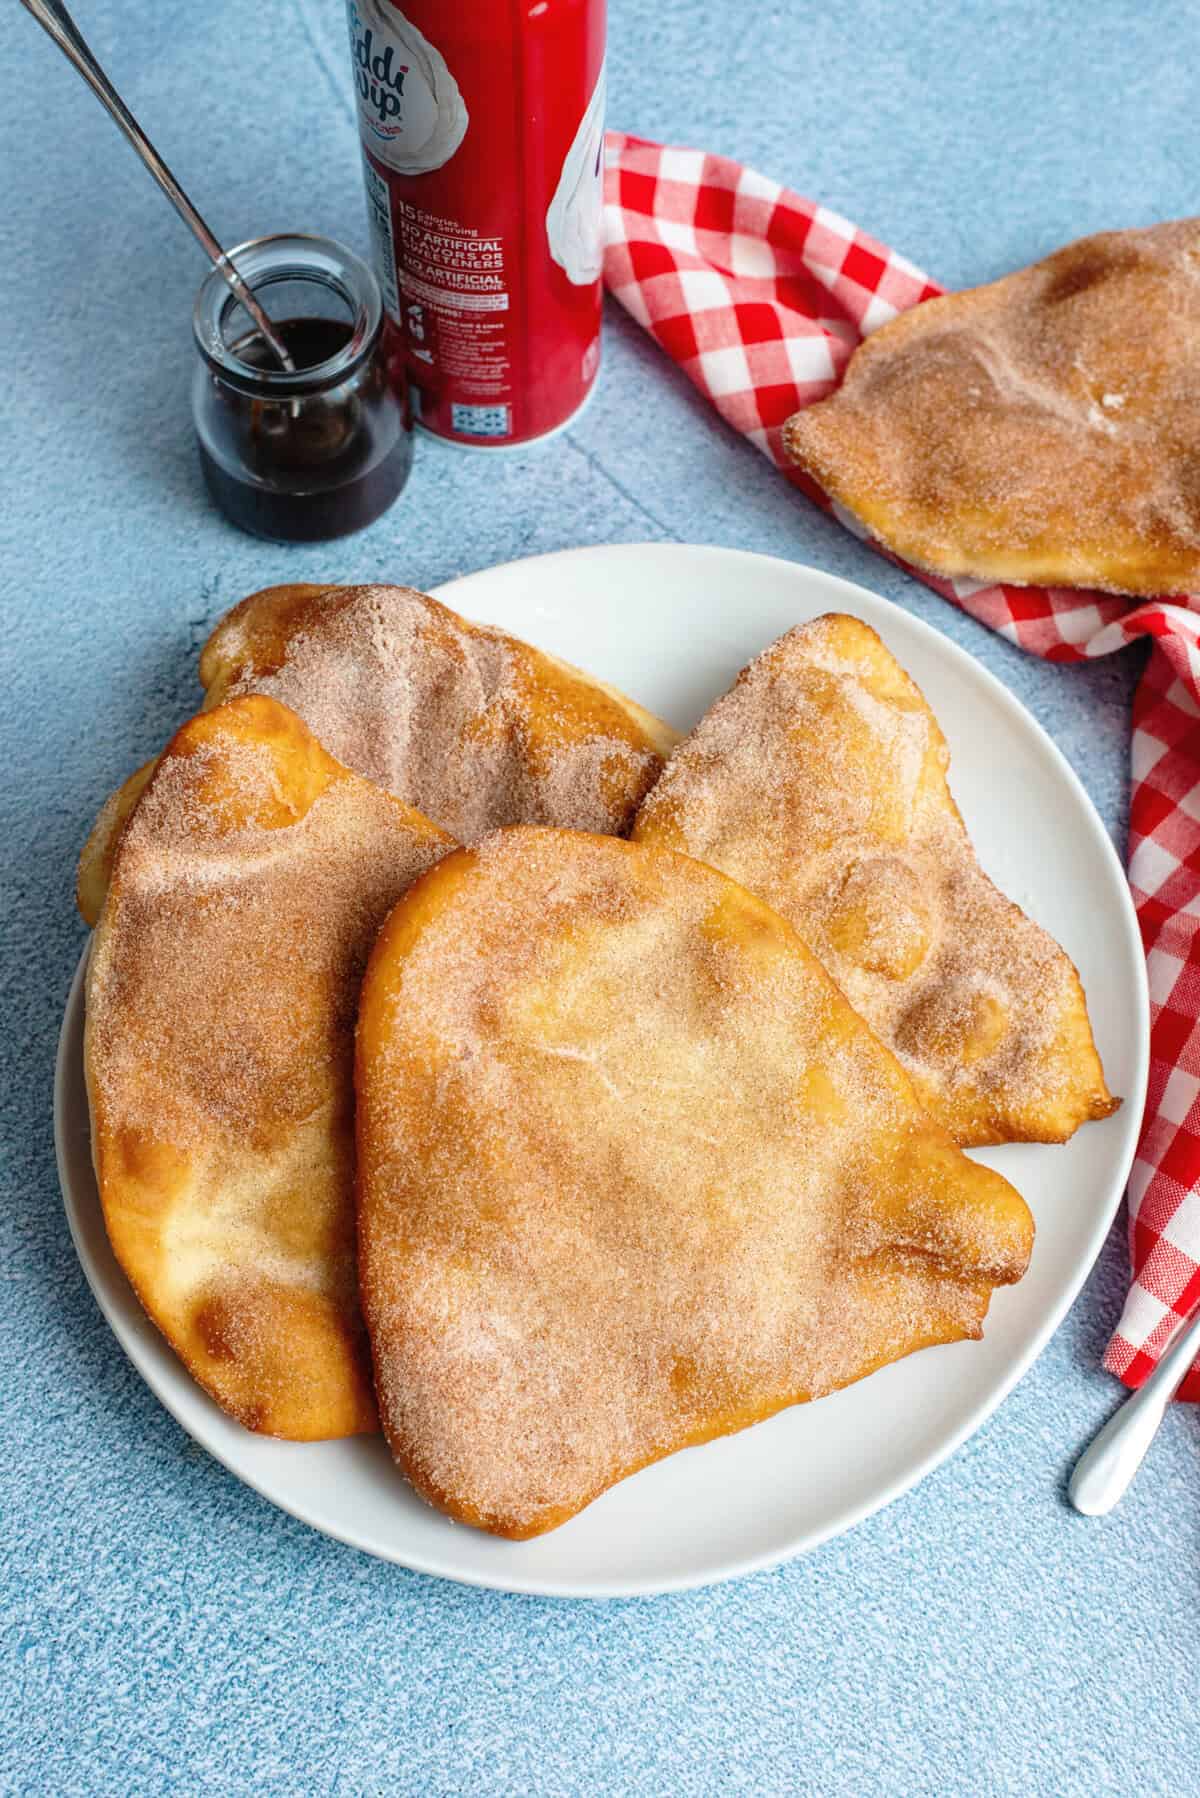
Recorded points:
(633, 1175)
(245, 895)
(473, 727)
(819, 782)
(96, 859)
(1040, 429)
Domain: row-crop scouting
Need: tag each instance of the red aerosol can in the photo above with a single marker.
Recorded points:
(482, 128)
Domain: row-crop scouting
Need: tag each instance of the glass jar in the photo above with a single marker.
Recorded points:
(317, 452)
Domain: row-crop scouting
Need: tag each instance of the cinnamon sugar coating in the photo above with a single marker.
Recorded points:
(1042, 429)
(471, 726)
(245, 895)
(820, 782)
(632, 1175)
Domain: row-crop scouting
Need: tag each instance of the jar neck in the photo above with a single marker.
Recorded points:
(311, 277)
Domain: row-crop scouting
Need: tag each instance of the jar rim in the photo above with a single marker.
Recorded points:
(288, 256)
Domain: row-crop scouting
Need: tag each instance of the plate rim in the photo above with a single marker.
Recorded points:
(430, 1565)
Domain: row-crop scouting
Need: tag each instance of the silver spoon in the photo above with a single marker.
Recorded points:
(57, 22)
(1105, 1469)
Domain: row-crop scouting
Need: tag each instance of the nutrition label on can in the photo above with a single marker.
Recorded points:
(383, 244)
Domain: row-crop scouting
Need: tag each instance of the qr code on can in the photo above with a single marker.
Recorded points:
(480, 421)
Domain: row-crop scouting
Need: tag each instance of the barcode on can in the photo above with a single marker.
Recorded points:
(480, 421)
(383, 244)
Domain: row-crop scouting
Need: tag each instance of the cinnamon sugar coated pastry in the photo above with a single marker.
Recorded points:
(473, 727)
(245, 894)
(96, 858)
(820, 782)
(1042, 429)
(632, 1175)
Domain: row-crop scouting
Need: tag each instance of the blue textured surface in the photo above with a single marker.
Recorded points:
(161, 1628)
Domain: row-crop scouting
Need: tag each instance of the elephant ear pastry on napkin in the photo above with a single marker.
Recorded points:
(819, 782)
(633, 1175)
(472, 727)
(245, 894)
(1040, 430)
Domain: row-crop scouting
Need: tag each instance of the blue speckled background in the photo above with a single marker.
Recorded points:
(161, 1628)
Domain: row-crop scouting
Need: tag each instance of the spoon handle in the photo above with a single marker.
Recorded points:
(1105, 1469)
(58, 24)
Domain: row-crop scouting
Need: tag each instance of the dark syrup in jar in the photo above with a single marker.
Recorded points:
(316, 465)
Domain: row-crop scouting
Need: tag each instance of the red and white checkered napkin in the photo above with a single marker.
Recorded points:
(761, 296)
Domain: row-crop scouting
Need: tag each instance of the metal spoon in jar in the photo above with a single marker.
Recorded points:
(1104, 1470)
(58, 24)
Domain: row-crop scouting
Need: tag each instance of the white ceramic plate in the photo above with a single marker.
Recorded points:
(672, 626)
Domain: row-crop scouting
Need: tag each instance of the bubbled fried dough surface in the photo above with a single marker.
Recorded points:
(472, 727)
(820, 782)
(632, 1175)
(245, 895)
(1042, 429)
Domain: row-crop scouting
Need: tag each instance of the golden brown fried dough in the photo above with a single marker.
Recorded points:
(633, 1175)
(819, 782)
(1040, 429)
(245, 895)
(473, 727)
(96, 860)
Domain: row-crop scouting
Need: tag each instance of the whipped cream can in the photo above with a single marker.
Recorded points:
(482, 127)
